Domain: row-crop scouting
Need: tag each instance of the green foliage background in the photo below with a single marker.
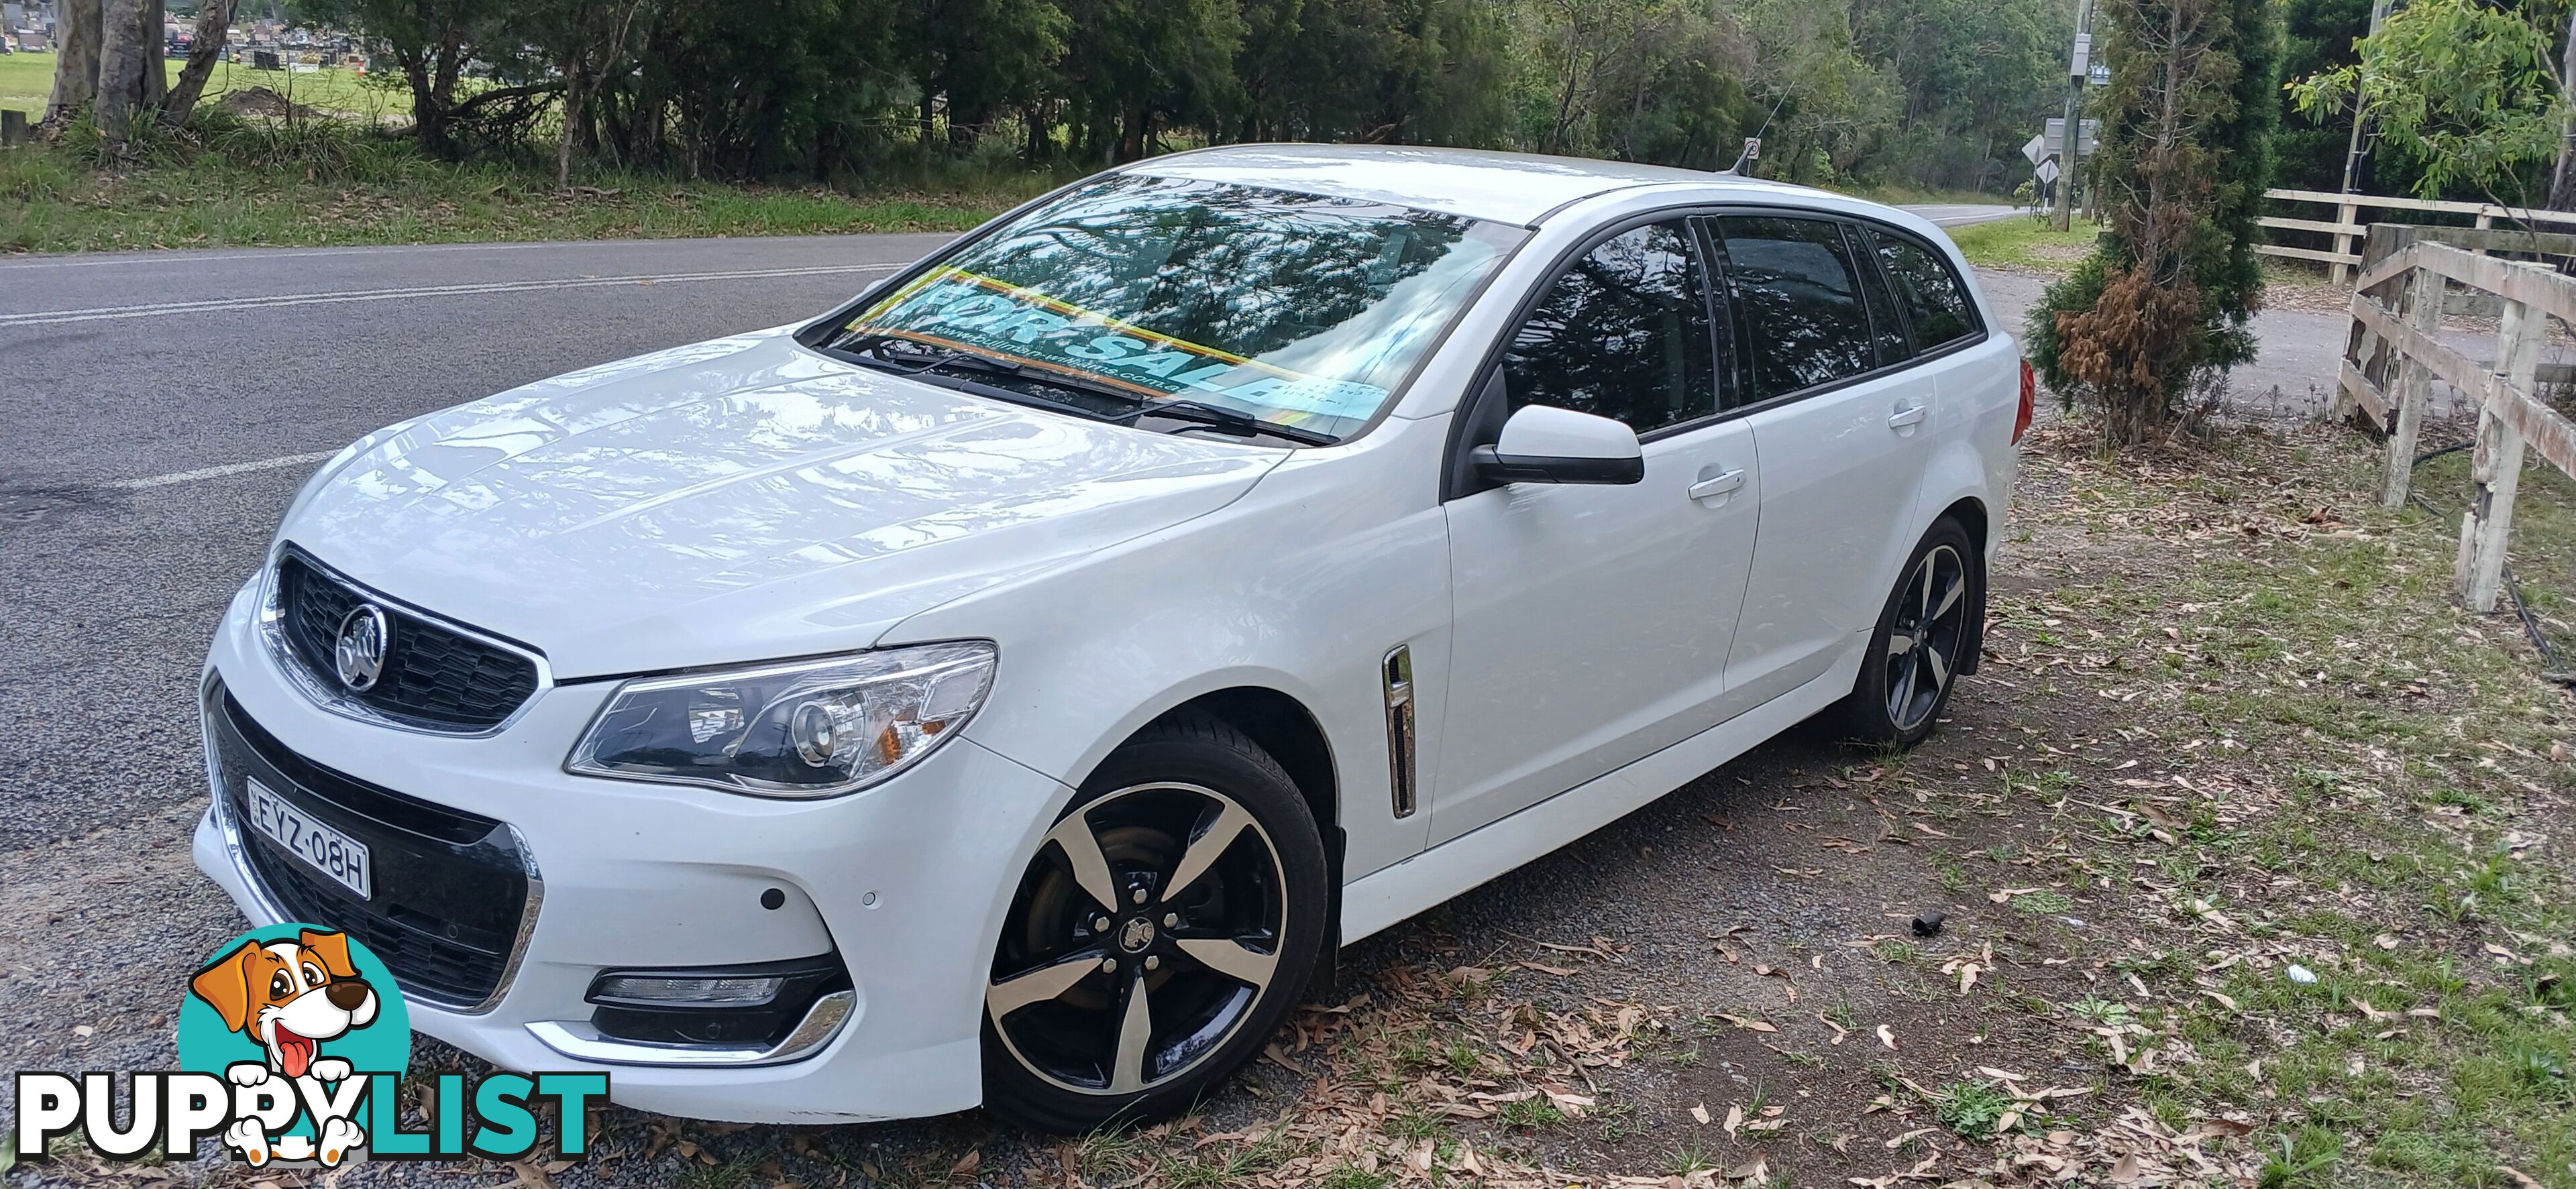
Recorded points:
(1930, 94)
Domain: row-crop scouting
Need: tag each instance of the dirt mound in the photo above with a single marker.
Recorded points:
(261, 101)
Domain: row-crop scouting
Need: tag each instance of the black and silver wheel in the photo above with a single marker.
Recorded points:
(1922, 642)
(1166, 923)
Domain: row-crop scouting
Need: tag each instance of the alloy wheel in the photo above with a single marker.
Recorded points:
(1145, 930)
(1924, 637)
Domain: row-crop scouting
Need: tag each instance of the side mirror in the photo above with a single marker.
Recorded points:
(1541, 444)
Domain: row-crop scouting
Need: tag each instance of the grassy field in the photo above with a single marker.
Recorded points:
(25, 80)
(2023, 242)
(262, 186)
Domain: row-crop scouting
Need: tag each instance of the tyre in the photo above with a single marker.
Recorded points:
(1922, 641)
(1167, 922)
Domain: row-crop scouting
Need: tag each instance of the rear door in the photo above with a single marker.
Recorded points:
(1968, 368)
(1592, 622)
(1839, 421)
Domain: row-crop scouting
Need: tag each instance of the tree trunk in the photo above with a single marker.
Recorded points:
(428, 115)
(2562, 180)
(156, 77)
(1131, 138)
(127, 51)
(571, 121)
(76, 29)
(214, 24)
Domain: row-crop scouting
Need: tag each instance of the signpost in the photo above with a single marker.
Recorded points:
(2079, 70)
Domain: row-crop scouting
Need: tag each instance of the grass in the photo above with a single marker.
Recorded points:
(2383, 757)
(2022, 242)
(1975, 1110)
(321, 184)
(26, 78)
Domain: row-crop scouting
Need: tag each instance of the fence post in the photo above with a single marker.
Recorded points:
(2422, 309)
(2495, 466)
(2361, 347)
(2344, 214)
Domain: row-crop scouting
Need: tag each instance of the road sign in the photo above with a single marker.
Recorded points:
(2082, 64)
(2036, 149)
(2056, 136)
(2048, 171)
(2101, 75)
(1753, 148)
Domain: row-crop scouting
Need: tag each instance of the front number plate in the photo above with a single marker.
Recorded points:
(322, 848)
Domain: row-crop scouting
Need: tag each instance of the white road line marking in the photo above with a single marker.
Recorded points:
(275, 301)
(237, 468)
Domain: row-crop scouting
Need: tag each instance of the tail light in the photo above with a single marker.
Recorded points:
(2029, 395)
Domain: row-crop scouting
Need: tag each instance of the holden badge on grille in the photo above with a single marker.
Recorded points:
(358, 655)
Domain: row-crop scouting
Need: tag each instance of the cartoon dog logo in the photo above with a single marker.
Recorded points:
(290, 997)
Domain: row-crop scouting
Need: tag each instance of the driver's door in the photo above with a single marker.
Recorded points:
(1592, 621)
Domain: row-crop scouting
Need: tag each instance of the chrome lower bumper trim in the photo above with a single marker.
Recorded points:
(577, 1039)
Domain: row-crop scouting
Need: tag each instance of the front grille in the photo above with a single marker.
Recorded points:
(434, 676)
(450, 889)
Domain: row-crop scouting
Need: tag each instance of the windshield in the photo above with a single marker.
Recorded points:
(1295, 309)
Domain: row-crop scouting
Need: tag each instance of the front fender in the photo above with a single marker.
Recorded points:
(1301, 586)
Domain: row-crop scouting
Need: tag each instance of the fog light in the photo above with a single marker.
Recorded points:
(674, 991)
(754, 1005)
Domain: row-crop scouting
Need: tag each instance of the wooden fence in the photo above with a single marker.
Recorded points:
(2393, 356)
(2347, 229)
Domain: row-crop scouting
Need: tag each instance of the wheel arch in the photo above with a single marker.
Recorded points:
(1284, 727)
(1971, 515)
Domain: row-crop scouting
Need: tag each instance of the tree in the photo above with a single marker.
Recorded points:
(2161, 306)
(1972, 76)
(2466, 93)
(1133, 67)
(214, 23)
(1835, 107)
(2318, 36)
(590, 41)
(985, 57)
(109, 66)
(430, 41)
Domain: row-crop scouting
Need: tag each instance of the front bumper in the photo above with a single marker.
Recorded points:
(908, 882)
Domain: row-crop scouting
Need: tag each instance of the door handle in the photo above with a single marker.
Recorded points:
(1912, 414)
(1717, 484)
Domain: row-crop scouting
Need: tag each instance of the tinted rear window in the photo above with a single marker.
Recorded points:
(1801, 300)
(1936, 303)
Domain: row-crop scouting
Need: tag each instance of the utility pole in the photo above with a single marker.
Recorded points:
(2070, 149)
(2352, 149)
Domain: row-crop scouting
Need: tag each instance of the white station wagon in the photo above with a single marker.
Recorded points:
(1011, 688)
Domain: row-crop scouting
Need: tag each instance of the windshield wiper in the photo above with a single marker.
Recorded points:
(1222, 419)
(919, 359)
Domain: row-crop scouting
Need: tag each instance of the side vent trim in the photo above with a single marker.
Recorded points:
(1397, 675)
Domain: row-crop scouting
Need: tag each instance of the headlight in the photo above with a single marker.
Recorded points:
(798, 729)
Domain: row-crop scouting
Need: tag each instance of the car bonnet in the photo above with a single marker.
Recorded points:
(738, 500)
